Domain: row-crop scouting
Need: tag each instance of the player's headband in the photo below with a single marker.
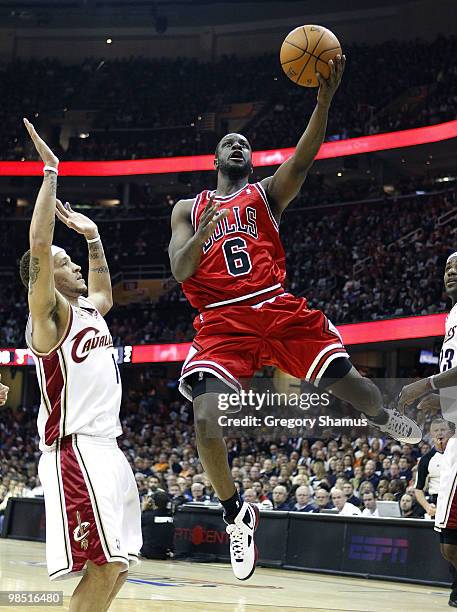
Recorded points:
(56, 249)
(451, 257)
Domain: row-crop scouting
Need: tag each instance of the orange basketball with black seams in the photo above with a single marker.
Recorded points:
(307, 50)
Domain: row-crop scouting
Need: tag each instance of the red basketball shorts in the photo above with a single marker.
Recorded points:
(233, 342)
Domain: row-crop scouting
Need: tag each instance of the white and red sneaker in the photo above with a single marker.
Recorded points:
(400, 427)
(243, 551)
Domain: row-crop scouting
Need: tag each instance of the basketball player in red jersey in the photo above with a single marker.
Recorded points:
(226, 252)
(93, 516)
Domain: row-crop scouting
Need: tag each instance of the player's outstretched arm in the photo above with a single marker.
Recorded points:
(99, 281)
(288, 179)
(49, 309)
(186, 246)
(419, 388)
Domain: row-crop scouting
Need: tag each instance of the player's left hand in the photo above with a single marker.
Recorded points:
(410, 393)
(3, 393)
(76, 221)
(328, 87)
(43, 150)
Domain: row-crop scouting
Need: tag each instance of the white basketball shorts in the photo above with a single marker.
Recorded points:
(446, 507)
(92, 505)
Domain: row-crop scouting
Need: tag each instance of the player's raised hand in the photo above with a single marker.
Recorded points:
(43, 150)
(76, 221)
(3, 393)
(209, 220)
(429, 402)
(328, 87)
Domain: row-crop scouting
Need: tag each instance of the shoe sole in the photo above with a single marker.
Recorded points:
(256, 550)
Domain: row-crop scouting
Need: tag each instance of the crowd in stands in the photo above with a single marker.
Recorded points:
(349, 470)
(143, 108)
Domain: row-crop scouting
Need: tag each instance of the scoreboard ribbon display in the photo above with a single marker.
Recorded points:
(388, 330)
(274, 157)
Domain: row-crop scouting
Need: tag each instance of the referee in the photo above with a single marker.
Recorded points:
(428, 471)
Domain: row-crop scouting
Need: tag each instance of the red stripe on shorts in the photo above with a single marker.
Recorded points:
(83, 532)
(54, 384)
(323, 359)
(451, 522)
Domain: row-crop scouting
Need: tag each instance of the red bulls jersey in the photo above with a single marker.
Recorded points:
(244, 261)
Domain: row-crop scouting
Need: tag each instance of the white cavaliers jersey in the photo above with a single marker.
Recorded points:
(448, 359)
(79, 379)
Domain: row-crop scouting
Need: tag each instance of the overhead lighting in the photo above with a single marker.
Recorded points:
(84, 134)
(445, 179)
(339, 174)
(109, 202)
(109, 41)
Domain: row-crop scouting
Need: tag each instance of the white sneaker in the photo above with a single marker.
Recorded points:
(399, 427)
(243, 551)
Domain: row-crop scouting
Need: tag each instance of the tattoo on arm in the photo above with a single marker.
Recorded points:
(34, 270)
(96, 250)
(100, 270)
(51, 178)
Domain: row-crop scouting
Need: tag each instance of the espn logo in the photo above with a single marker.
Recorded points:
(379, 549)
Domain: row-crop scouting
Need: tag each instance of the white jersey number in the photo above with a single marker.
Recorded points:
(446, 358)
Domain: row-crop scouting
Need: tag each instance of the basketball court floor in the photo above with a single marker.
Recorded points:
(195, 587)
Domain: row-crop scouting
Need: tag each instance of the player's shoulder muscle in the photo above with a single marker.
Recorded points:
(181, 214)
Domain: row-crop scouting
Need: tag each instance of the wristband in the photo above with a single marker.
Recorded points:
(50, 169)
(432, 383)
(93, 240)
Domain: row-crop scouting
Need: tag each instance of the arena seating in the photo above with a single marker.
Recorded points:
(136, 120)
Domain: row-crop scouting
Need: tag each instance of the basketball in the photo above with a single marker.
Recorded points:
(307, 50)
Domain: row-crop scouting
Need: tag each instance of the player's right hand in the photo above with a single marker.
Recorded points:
(3, 393)
(429, 402)
(43, 150)
(209, 220)
(431, 510)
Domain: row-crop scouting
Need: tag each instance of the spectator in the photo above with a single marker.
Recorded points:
(369, 501)
(397, 488)
(340, 502)
(176, 497)
(198, 493)
(280, 498)
(348, 490)
(409, 508)
(383, 487)
(322, 498)
(405, 470)
(369, 473)
(303, 503)
(250, 496)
